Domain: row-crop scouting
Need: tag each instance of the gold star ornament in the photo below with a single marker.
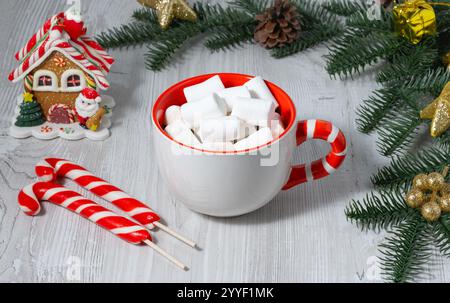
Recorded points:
(439, 112)
(168, 10)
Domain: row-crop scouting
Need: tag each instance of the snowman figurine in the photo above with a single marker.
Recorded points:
(88, 109)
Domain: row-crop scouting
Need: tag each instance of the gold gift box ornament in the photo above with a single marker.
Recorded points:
(414, 19)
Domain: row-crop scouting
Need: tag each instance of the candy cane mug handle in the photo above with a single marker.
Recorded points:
(323, 130)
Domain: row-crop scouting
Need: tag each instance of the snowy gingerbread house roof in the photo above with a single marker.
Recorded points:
(65, 33)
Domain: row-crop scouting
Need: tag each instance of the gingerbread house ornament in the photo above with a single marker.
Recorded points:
(61, 67)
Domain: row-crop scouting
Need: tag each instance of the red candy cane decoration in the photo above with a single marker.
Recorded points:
(51, 168)
(29, 201)
(322, 130)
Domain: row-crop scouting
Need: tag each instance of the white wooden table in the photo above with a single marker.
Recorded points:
(301, 236)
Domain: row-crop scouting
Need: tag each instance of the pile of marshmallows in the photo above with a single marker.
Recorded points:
(216, 118)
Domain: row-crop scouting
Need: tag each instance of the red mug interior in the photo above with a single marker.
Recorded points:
(175, 96)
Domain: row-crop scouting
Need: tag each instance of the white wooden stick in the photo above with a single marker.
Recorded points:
(166, 255)
(175, 234)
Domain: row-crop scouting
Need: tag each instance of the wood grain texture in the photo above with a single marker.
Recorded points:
(301, 236)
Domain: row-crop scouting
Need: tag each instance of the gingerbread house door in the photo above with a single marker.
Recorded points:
(61, 114)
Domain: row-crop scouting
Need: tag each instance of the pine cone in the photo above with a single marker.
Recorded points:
(278, 25)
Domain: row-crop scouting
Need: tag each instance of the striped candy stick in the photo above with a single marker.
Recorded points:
(51, 168)
(36, 38)
(29, 201)
(322, 130)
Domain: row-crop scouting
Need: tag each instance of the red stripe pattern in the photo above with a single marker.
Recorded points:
(29, 201)
(323, 130)
(51, 168)
(35, 39)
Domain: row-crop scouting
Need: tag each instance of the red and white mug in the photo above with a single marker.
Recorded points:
(226, 184)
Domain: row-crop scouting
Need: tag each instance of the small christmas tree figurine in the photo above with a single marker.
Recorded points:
(30, 112)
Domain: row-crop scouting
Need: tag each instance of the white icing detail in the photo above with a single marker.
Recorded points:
(137, 211)
(330, 169)
(333, 135)
(310, 128)
(72, 72)
(73, 13)
(126, 230)
(45, 88)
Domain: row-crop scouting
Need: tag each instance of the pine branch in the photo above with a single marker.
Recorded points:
(405, 251)
(145, 15)
(433, 81)
(307, 39)
(402, 170)
(442, 234)
(404, 66)
(398, 131)
(129, 35)
(360, 20)
(352, 54)
(379, 211)
(228, 38)
(312, 13)
(253, 7)
(160, 52)
(374, 110)
(345, 8)
(213, 17)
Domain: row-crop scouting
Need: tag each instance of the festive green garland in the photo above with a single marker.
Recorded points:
(410, 75)
(224, 28)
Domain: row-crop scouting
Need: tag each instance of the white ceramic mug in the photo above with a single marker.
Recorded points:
(226, 184)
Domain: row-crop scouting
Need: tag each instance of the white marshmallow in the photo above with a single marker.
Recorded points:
(201, 90)
(260, 90)
(217, 146)
(254, 111)
(209, 107)
(221, 129)
(176, 127)
(229, 95)
(186, 137)
(173, 113)
(277, 126)
(261, 137)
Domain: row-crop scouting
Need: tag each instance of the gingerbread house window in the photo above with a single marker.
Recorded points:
(73, 80)
(45, 80)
